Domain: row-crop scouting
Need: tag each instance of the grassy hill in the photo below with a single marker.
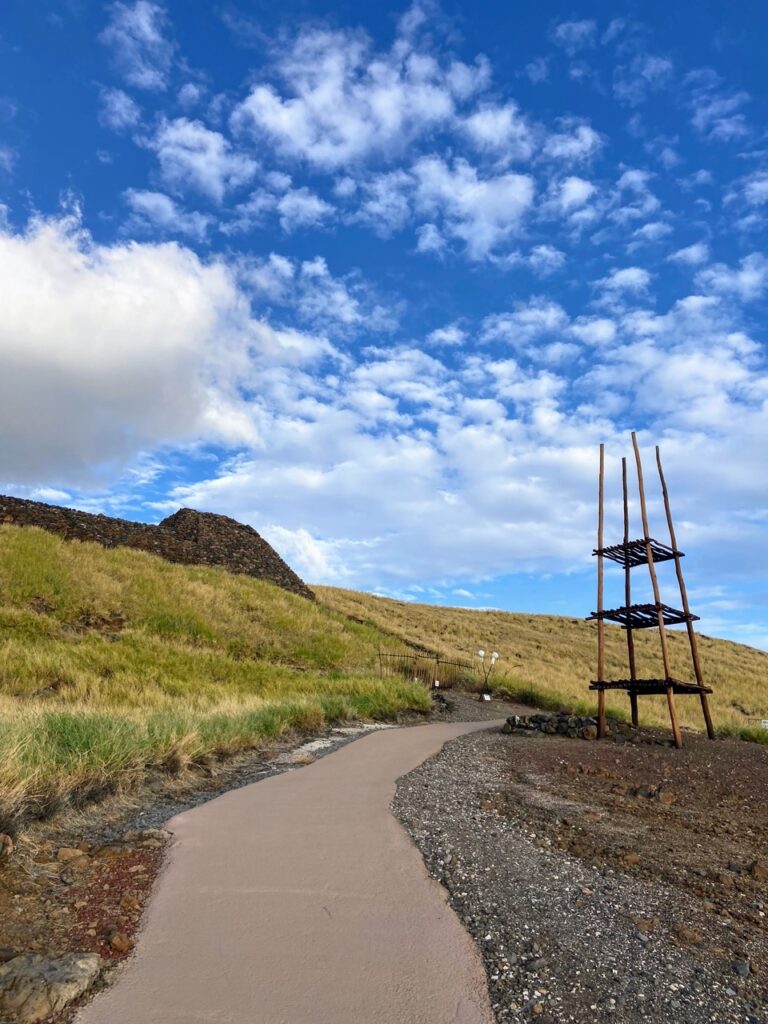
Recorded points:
(114, 661)
(550, 660)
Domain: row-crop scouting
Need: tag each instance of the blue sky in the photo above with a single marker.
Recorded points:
(378, 280)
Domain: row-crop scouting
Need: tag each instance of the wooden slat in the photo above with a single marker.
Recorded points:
(634, 552)
(643, 616)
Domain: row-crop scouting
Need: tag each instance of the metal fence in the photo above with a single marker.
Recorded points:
(430, 669)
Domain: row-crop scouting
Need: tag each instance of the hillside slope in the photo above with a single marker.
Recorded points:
(113, 661)
(556, 655)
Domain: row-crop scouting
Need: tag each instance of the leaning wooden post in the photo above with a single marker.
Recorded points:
(657, 598)
(628, 595)
(600, 624)
(684, 598)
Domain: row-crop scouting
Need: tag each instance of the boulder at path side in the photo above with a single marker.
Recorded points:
(33, 987)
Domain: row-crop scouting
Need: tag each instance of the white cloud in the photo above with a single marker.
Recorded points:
(156, 212)
(501, 130)
(573, 36)
(632, 199)
(295, 207)
(576, 141)
(481, 212)
(193, 157)
(626, 279)
(118, 110)
(545, 260)
(716, 113)
(385, 204)
(136, 35)
(429, 240)
(574, 192)
(756, 188)
(691, 255)
(343, 102)
(7, 159)
(450, 334)
(117, 348)
(311, 292)
(651, 232)
(594, 330)
(190, 95)
(748, 281)
(300, 208)
(529, 320)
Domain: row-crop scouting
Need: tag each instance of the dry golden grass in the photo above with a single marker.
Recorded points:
(556, 655)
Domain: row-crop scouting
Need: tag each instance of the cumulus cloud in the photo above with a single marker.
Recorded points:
(545, 259)
(118, 110)
(625, 279)
(307, 289)
(339, 101)
(500, 130)
(450, 334)
(574, 192)
(691, 255)
(574, 142)
(717, 112)
(194, 157)
(295, 208)
(528, 321)
(483, 212)
(136, 35)
(747, 281)
(155, 212)
(117, 348)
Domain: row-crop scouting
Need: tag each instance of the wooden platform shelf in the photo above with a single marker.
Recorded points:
(649, 687)
(644, 616)
(631, 554)
(635, 552)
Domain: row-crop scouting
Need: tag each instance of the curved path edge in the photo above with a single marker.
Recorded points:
(301, 900)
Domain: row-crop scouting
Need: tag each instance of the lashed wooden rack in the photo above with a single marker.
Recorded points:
(631, 554)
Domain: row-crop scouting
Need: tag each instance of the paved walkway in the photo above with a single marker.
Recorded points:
(300, 900)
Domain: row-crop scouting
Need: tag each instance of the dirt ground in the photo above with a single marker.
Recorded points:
(696, 818)
(601, 880)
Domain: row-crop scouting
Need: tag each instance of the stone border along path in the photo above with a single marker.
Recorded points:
(301, 900)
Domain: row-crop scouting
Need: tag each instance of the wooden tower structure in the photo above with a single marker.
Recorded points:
(631, 554)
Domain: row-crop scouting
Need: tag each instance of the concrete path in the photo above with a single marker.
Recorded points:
(300, 900)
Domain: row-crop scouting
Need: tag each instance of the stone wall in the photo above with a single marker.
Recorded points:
(188, 537)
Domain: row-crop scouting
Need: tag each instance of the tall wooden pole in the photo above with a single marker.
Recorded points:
(628, 595)
(600, 624)
(657, 598)
(684, 598)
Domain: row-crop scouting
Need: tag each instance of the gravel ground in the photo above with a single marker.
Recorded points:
(564, 938)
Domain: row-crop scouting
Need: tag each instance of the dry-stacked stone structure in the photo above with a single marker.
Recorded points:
(189, 537)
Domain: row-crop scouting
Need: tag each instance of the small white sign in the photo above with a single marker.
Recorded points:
(765, 723)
